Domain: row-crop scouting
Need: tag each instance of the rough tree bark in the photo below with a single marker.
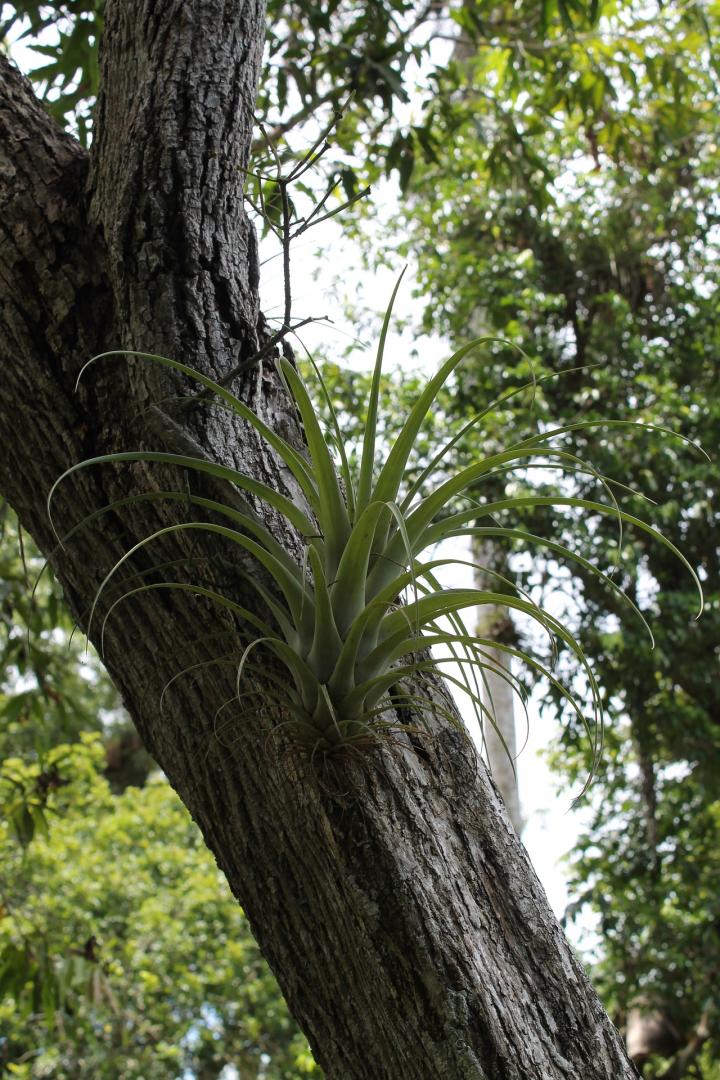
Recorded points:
(393, 901)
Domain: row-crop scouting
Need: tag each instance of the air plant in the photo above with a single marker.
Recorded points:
(352, 622)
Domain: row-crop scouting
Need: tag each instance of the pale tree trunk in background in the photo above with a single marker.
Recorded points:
(494, 622)
(399, 912)
(499, 735)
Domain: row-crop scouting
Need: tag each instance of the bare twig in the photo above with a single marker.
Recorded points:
(267, 348)
(282, 184)
(276, 133)
(285, 234)
(331, 213)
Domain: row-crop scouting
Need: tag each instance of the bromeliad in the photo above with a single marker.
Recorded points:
(351, 622)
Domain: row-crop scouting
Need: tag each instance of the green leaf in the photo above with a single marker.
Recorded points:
(367, 461)
(393, 471)
(295, 516)
(332, 511)
(299, 603)
(290, 457)
(348, 591)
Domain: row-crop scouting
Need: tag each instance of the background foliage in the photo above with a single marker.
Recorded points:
(122, 952)
(593, 242)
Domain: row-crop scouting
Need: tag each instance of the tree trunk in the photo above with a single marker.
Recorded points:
(392, 899)
(499, 734)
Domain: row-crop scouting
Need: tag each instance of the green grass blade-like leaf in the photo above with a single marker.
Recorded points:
(326, 643)
(221, 472)
(367, 694)
(378, 684)
(584, 425)
(609, 483)
(474, 657)
(465, 657)
(250, 523)
(437, 501)
(364, 626)
(432, 467)
(469, 644)
(418, 521)
(437, 606)
(367, 460)
(361, 637)
(569, 470)
(274, 606)
(566, 553)
(247, 519)
(530, 661)
(454, 522)
(463, 636)
(329, 709)
(437, 588)
(392, 472)
(347, 591)
(195, 590)
(394, 587)
(484, 661)
(119, 504)
(390, 685)
(576, 467)
(339, 438)
(288, 584)
(397, 643)
(305, 681)
(243, 660)
(518, 654)
(332, 510)
(493, 407)
(403, 535)
(296, 593)
(261, 669)
(289, 455)
(280, 614)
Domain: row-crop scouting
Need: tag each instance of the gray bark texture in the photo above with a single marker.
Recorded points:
(392, 899)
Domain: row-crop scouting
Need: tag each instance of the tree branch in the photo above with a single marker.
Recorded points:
(55, 298)
(173, 129)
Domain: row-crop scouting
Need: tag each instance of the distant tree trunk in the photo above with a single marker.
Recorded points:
(499, 734)
(392, 899)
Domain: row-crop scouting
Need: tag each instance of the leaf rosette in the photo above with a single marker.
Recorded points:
(352, 623)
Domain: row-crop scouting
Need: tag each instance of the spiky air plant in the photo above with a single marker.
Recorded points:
(352, 622)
